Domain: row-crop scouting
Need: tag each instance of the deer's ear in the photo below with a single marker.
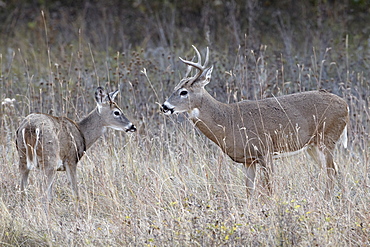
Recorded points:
(100, 95)
(204, 78)
(113, 95)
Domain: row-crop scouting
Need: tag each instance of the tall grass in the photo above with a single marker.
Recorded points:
(168, 185)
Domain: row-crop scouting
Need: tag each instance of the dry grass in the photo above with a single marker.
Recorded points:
(167, 185)
(180, 190)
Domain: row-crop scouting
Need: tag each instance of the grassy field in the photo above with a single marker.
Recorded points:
(167, 184)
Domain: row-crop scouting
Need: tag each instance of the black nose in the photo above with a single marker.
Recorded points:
(131, 129)
(164, 108)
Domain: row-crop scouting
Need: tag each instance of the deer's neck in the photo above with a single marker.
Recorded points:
(212, 118)
(91, 127)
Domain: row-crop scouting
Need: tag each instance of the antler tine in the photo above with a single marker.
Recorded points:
(197, 65)
(189, 68)
(198, 54)
(190, 63)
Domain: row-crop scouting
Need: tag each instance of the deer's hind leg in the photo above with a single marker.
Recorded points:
(71, 169)
(250, 174)
(48, 183)
(48, 164)
(48, 169)
(324, 157)
(331, 172)
(24, 171)
(27, 145)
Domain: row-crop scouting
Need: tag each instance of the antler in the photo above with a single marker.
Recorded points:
(189, 68)
(192, 64)
(197, 65)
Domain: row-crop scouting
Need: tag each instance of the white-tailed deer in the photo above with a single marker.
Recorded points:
(252, 132)
(58, 143)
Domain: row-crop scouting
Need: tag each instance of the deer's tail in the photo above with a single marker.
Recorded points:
(31, 150)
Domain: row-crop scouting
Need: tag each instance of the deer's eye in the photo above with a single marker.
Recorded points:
(116, 113)
(183, 93)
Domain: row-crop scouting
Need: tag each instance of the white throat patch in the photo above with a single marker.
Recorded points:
(194, 113)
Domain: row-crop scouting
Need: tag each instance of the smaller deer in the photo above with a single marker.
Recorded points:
(252, 132)
(58, 143)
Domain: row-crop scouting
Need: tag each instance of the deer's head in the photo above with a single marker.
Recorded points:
(188, 93)
(111, 114)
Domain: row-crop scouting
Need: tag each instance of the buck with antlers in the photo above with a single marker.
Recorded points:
(58, 143)
(252, 132)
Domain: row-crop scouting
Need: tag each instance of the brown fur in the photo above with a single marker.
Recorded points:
(252, 129)
(253, 132)
(59, 143)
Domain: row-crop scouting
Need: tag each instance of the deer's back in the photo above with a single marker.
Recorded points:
(303, 109)
(56, 135)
